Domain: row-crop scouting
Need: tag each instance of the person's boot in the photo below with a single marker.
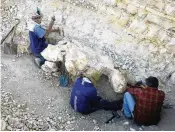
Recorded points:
(37, 62)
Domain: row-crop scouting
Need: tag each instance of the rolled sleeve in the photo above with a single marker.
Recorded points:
(39, 31)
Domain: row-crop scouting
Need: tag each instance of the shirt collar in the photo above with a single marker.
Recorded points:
(31, 25)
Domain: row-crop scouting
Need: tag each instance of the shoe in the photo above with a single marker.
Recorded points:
(37, 62)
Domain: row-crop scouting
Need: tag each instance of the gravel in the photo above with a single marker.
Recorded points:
(26, 94)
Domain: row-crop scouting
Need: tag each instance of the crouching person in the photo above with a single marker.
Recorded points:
(37, 36)
(84, 98)
(144, 104)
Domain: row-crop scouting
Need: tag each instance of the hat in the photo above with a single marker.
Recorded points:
(37, 13)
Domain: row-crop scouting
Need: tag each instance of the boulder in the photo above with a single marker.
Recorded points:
(52, 53)
(50, 66)
(118, 81)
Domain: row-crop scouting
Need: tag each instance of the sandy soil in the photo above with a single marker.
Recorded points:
(44, 98)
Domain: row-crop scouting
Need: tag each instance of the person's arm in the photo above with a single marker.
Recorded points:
(50, 26)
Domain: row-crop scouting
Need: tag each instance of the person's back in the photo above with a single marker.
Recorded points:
(83, 94)
(148, 106)
(37, 44)
(144, 103)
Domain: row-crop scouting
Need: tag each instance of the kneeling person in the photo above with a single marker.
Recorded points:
(37, 36)
(144, 104)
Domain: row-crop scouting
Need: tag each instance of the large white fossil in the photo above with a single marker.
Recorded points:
(83, 59)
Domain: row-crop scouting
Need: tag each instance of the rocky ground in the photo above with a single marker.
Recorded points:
(31, 100)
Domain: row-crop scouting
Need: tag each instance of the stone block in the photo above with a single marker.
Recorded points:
(168, 24)
(112, 19)
(170, 9)
(138, 26)
(162, 35)
(172, 41)
(112, 11)
(142, 13)
(124, 19)
(110, 2)
(156, 5)
(154, 19)
(131, 9)
(140, 2)
(152, 30)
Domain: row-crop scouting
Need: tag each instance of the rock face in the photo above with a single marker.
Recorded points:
(138, 37)
(86, 61)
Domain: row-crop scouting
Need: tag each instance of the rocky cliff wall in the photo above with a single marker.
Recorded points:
(138, 36)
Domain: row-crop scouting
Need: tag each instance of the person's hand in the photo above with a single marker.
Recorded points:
(53, 18)
(57, 29)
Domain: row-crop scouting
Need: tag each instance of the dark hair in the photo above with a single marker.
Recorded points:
(36, 17)
(152, 82)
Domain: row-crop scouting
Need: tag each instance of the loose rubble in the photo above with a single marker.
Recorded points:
(22, 116)
(17, 117)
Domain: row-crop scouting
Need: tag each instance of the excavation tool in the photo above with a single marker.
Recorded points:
(115, 114)
(64, 78)
(8, 46)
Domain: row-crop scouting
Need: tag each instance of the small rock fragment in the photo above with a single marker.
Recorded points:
(83, 117)
(3, 125)
(96, 128)
(52, 129)
(9, 128)
(68, 122)
(132, 129)
(126, 123)
(94, 121)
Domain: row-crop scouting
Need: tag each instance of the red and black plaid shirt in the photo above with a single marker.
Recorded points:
(148, 106)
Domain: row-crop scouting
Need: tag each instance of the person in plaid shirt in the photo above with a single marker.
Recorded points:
(144, 104)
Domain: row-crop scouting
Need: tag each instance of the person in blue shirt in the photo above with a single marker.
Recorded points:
(84, 98)
(37, 36)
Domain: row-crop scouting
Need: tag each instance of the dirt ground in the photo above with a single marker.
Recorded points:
(45, 99)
